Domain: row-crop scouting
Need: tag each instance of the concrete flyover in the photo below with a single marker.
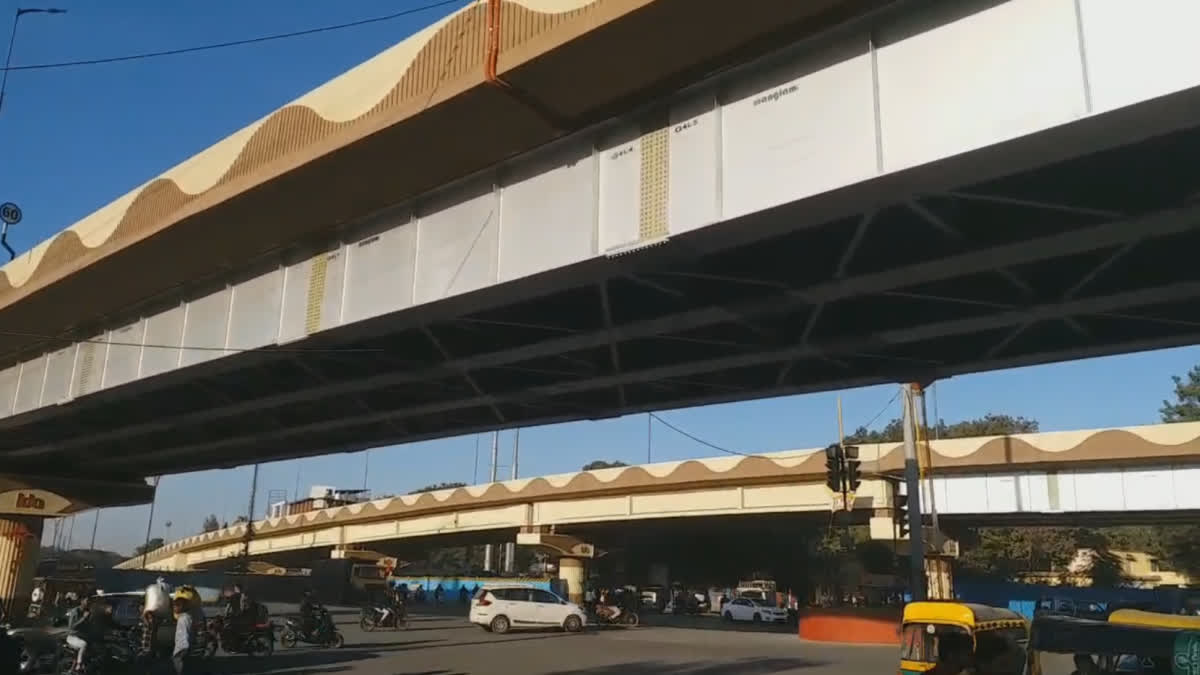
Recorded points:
(1101, 473)
(788, 225)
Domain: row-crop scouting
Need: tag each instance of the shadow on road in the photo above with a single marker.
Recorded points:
(762, 666)
(710, 622)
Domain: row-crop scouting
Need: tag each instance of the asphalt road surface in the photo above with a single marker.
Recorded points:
(449, 645)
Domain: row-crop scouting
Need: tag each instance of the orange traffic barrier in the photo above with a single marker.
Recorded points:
(857, 625)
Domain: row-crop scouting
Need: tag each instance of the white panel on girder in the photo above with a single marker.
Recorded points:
(124, 354)
(297, 277)
(1139, 50)
(456, 245)
(57, 387)
(1099, 491)
(1148, 490)
(1184, 482)
(164, 333)
(1002, 494)
(548, 212)
(1034, 493)
(805, 128)
(620, 159)
(29, 393)
(693, 176)
(381, 257)
(89, 365)
(254, 315)
(206, 327)
(1004, 72)
(8, 389)
(965, 494)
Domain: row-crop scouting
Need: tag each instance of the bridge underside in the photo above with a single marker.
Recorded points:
(1086, 257)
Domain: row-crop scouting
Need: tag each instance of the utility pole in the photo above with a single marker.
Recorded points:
(649, 434)
(150, 522)
(244, 563)
(475, 465)
(95, 526)
(489, 550)
(510, 548)
(912, 482)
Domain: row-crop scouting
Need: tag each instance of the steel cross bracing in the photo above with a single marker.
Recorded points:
(1092, 256)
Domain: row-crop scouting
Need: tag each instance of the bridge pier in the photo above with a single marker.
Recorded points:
(573, 572)
(20, 545)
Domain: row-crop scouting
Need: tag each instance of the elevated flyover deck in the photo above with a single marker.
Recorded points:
(944, 188)
(1123, 473)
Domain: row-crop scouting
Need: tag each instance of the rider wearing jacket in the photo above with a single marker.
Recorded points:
(309, 610)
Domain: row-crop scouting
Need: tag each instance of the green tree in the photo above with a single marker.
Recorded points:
(211, 524)
(437, 486)
(601, 464)
(1180, 545)
(153, 544)
(1186, 407)
(988, 425)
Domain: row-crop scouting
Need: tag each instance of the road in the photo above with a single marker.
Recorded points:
(448, 645)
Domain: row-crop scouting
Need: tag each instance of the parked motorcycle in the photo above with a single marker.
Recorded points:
(258, 642)
(372, 618)
(324, 634)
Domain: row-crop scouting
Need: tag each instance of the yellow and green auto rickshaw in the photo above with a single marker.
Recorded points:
(1136, 617)
(952, 637)
(1131, 641)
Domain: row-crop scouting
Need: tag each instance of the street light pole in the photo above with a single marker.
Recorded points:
(12, 40)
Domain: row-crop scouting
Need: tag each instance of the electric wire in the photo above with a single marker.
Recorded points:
(141, 56)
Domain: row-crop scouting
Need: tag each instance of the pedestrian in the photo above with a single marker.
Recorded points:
(185, 654)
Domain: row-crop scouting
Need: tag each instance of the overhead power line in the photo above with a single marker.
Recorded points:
(141, 56)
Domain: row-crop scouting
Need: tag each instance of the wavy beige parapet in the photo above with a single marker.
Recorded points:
(1088, 447)
(412, 68)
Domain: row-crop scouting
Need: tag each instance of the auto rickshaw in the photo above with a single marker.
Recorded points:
(1135, 617)
(949, 637)
(1131, 641)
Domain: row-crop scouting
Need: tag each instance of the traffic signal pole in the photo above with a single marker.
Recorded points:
(912, 480)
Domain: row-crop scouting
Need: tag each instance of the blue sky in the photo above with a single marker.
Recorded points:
(75, 139)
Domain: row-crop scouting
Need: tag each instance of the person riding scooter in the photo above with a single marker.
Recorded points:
(608, 607)
(310, 612)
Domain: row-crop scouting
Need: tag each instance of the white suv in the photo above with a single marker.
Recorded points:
(503, 607)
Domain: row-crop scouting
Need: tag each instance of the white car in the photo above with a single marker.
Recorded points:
(502, 608)
(745, 609)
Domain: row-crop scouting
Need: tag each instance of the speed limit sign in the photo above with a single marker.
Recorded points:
(10, 213)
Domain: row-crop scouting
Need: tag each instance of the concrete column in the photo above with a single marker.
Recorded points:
(573, 572)
(20, 543)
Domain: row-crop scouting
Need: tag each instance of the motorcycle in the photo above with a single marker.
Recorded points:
(383, 617)
(258, 642)
(117, 654)
(324, 634)
(37, 648)
(627, 617)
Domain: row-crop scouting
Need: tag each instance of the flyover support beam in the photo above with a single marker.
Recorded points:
(573, 573)
(20, 544)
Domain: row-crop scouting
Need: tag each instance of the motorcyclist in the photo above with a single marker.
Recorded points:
(607, 606)
(233, 602)
(310, 609)
(396, 604)
(91, 629)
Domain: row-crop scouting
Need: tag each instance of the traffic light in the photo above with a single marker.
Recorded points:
(853, 475)
(833, 468)
(899, 511)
